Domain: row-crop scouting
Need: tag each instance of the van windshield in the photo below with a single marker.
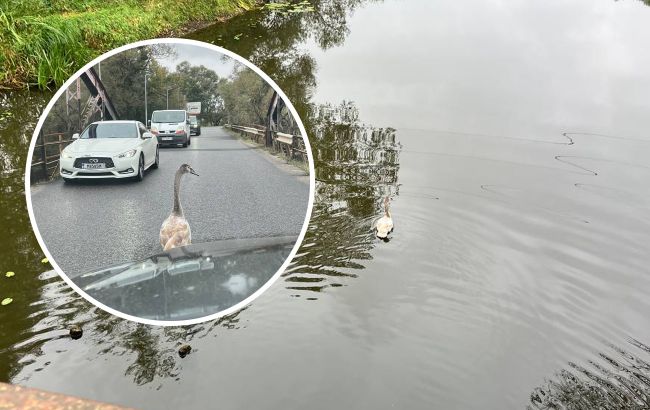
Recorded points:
(168, 116)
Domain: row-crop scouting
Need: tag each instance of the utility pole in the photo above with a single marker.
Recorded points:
(146, 113)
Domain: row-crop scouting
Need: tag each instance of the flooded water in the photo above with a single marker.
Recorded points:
(512, 141)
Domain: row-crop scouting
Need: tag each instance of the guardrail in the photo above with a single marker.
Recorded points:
(255, 133)
(288, 144)
(47, 153)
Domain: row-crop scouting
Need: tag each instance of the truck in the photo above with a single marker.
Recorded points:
(194, 110)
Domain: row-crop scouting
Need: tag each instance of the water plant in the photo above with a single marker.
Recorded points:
(286, 7)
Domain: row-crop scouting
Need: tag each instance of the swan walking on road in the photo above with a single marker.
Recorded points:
(384, 225)
(175, 231)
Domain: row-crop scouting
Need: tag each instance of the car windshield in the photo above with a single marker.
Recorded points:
(191, 281)
(193, 121)
(168, 116)
(110, 130)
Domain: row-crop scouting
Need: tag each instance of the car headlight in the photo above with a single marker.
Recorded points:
(127, 154)
(66, 155)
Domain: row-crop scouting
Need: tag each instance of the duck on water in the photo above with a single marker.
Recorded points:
(175, 230)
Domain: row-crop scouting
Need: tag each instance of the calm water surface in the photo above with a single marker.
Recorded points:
(512, 139)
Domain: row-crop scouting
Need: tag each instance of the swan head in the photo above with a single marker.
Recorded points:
(186, 169)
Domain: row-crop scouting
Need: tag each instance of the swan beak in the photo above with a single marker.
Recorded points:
(193, 172)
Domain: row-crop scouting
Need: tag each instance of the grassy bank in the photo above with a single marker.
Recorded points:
(43, 42)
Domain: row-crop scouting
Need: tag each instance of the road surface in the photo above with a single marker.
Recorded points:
(241, 192)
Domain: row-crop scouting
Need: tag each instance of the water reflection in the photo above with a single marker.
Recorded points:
(274, 42)
(149, 352)
(618, 379)
(494, 279)
(19, 251)
(356, 167)
(34, 336)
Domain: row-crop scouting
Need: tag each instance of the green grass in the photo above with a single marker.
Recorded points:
(43, 42)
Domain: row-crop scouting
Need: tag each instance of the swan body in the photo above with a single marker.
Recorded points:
(384, 225)
(175, 230)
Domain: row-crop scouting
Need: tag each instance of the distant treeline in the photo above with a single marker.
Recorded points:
(241, 98)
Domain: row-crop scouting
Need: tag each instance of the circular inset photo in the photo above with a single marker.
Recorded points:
(169, 182)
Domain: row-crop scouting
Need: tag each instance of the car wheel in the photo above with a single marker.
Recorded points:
(157, 161)
(140, 175)
(189, 140)
(198, 132)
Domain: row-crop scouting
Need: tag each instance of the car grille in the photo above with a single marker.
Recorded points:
(108, 162)
(95, 174)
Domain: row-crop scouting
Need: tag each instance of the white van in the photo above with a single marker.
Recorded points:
(172, 127)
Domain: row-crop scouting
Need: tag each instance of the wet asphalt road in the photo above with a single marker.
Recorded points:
(241, 192)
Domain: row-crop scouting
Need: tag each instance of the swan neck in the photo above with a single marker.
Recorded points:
(386, 209)
(177, 210)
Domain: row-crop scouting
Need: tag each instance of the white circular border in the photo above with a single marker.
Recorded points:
(232, 309)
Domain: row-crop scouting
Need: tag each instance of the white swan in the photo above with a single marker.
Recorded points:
(384, 225)
(175, 230)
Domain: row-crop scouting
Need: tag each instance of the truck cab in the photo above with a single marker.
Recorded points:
(195, 125)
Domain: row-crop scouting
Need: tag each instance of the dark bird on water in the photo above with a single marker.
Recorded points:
(76, 332)
(184, 350)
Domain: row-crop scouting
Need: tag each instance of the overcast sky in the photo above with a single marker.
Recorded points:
(197, 56)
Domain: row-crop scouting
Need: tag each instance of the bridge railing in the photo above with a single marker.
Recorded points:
(46, 156)
(291, 146)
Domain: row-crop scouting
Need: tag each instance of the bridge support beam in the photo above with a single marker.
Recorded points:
(272, 118)
(97, 90)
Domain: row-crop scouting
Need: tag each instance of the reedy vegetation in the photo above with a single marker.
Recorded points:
(43, 42)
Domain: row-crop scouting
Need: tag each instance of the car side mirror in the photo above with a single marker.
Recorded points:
(147, 135)
(75, 136)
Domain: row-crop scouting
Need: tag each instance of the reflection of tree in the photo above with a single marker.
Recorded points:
(150, 361)
(620, 381)
(356, 167)
(19, 250)
(273, 40)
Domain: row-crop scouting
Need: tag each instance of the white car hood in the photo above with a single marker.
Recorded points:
(106, 146)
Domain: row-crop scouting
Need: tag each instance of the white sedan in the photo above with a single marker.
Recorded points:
(110, 149)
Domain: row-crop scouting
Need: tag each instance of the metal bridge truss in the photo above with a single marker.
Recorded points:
(98, 101)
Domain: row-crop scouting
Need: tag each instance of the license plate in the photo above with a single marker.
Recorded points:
(93, 166)
(167, 138)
